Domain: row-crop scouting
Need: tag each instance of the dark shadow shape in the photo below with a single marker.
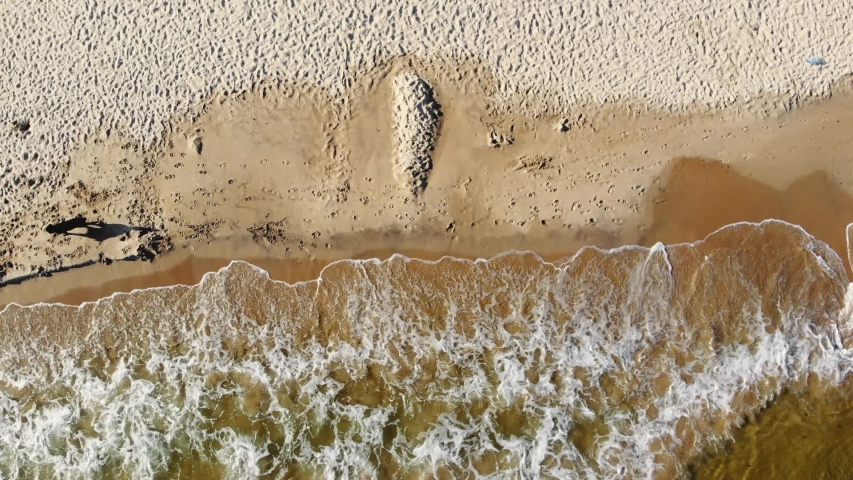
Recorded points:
(99, 231)
(67, 225)
(144, 253)
(45, 273)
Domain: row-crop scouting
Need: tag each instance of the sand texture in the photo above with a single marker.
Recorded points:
(293, 123)
(302, 176)
(416, 120)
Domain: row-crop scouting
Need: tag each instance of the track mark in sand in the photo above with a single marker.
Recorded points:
(533, 163)
(498, 139)
(416, 121)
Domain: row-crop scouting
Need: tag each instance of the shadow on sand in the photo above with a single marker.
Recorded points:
(98, 231)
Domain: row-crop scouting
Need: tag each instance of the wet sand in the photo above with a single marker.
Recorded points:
(186, 266)
(695, 197)
(802, 435)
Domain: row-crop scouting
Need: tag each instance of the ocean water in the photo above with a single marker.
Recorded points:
(625, 363)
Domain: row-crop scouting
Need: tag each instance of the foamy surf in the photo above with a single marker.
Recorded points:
(618, 364)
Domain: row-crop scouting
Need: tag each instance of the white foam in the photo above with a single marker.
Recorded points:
(240, 454)
(157, 397)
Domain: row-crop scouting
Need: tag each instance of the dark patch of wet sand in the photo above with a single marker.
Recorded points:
(699, 196)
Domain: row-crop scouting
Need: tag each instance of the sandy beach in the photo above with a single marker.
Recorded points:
(653, 174)
(292, 136)
(620, 180)
(579, 110)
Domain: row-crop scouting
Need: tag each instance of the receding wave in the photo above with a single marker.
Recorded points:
(620, 363)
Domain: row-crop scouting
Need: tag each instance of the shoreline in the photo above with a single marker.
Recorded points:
(688, 199)
(295, 171)
(702, 464)
(186, 266)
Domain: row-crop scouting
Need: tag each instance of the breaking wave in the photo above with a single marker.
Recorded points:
(618, 363)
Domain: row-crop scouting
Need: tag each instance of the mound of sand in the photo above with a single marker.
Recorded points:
(416, 119)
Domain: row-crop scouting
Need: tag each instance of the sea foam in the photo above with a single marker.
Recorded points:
(618, 363)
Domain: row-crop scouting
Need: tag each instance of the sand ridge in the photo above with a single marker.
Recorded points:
(416, 121)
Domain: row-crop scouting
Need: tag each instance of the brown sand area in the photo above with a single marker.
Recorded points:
(309, 176)
(690, 185)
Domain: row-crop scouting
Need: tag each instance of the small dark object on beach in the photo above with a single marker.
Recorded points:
(22, 126)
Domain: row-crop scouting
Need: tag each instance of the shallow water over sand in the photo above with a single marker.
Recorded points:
(626, 363)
